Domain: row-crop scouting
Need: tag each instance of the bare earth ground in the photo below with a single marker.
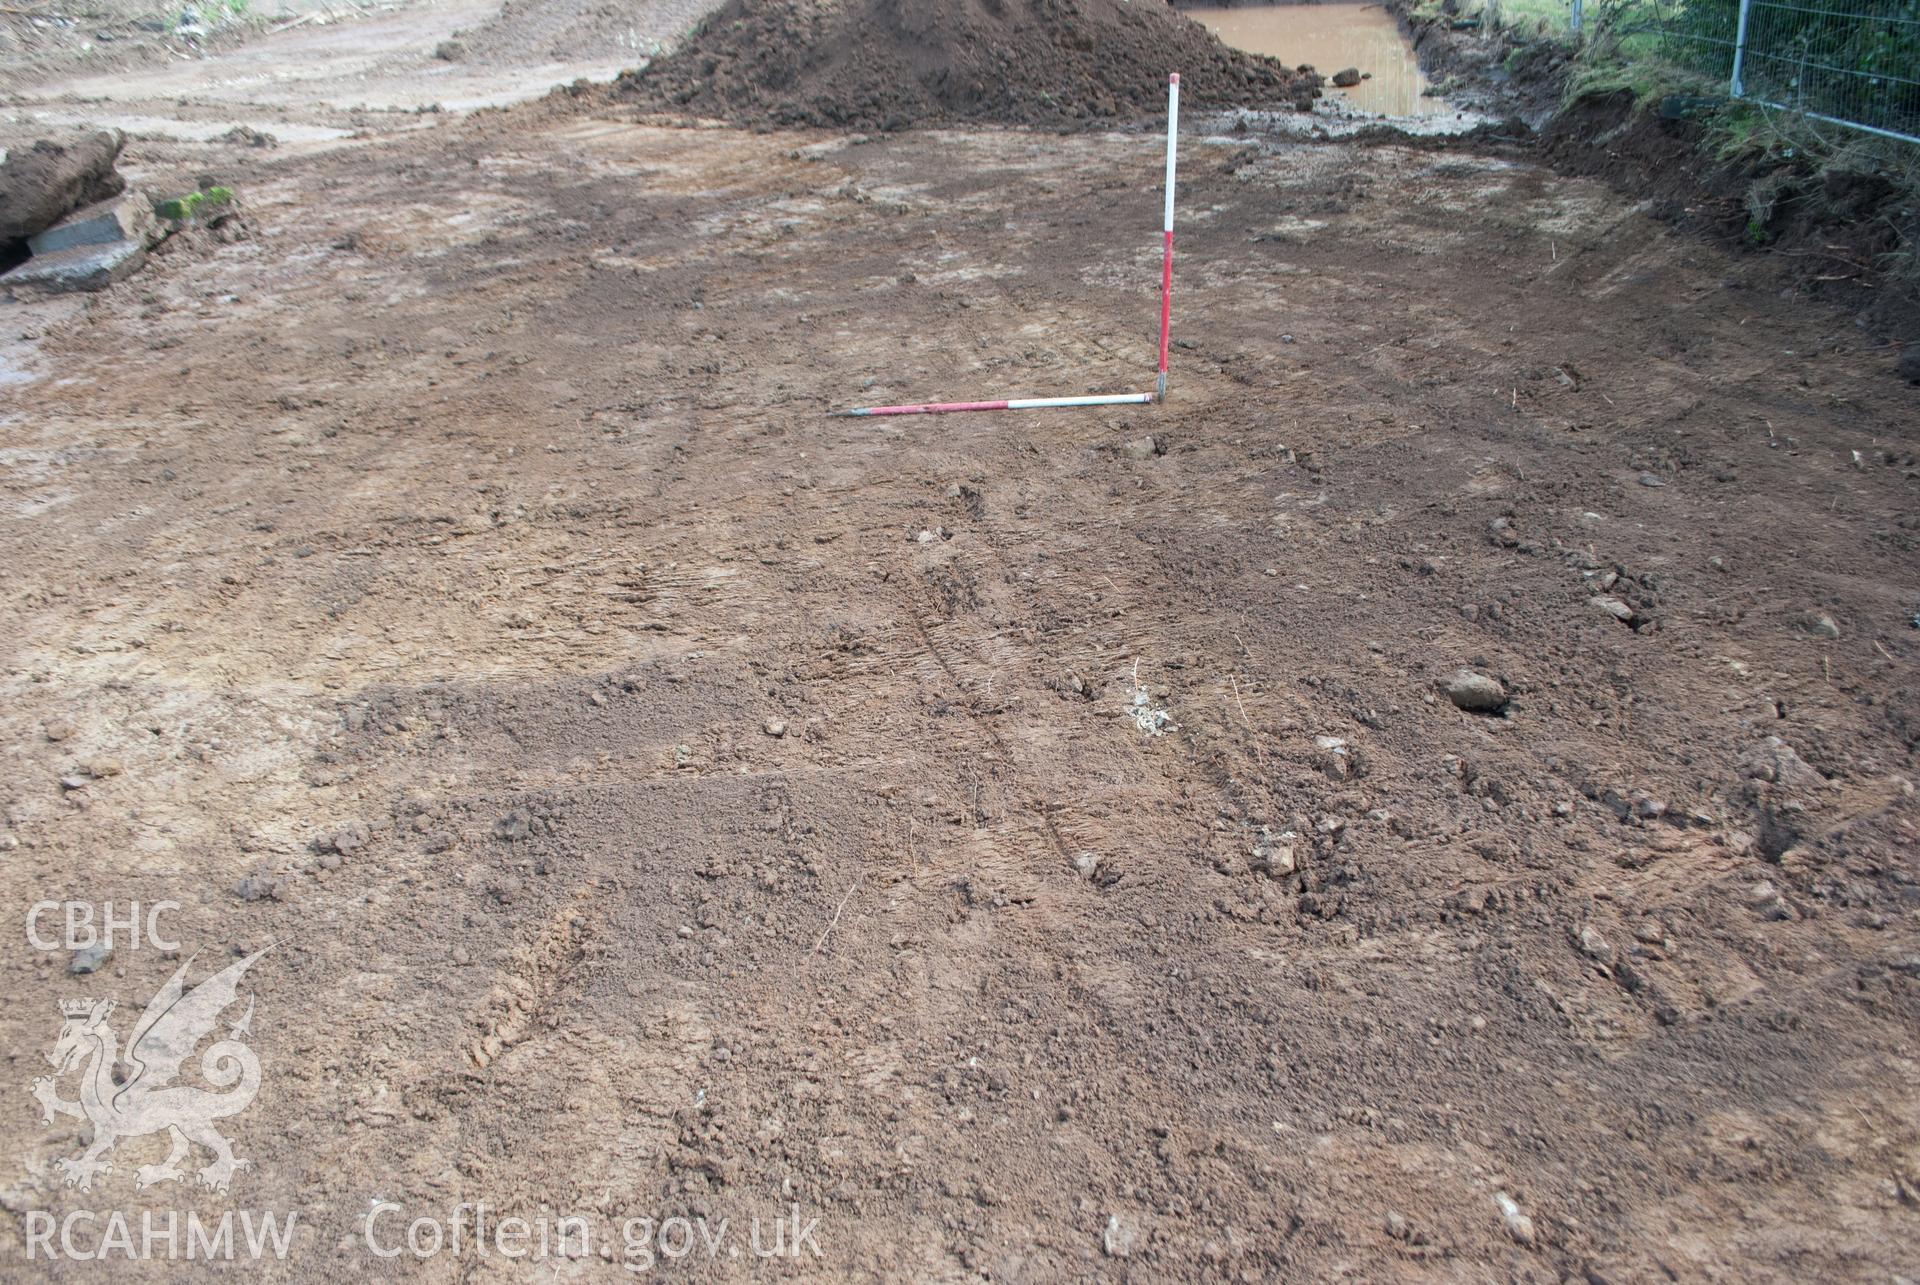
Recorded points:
(349, 76)
(478, 515)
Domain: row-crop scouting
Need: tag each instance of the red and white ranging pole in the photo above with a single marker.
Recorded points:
(1166, 319)
(1166, 255)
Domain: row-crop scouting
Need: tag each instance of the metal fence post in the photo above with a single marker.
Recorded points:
(1740, 50)
(1573, 22)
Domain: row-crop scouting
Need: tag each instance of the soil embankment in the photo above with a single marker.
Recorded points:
(1840, 230)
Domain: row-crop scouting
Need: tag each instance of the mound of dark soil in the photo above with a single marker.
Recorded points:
(889, 64)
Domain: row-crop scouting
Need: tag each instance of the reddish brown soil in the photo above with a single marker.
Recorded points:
(1846, 235)
(413, 586)
(888, 64)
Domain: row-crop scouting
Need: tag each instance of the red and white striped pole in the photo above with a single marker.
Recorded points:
(1166, 254)
(1008, 403)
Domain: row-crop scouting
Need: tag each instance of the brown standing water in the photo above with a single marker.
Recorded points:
(1330, 37)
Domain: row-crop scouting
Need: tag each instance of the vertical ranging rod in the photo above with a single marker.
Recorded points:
(1166, 254)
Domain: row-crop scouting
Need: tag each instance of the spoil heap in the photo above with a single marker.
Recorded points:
(892, 64)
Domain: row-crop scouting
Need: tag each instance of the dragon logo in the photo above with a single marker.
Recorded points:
(145, 1099)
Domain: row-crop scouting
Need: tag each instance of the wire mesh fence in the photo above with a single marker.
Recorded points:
(1859, 64)
(1853, 62)
(1700, 35)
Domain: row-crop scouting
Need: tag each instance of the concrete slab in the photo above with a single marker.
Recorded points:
(126, 217)
(80, 267)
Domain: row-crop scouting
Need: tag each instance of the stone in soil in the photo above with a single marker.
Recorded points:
(88, 959)
(81, 268)
(1615, 607)
(126, 217)
(1476, 693)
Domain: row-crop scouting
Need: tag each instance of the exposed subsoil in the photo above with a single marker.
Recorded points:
(665, 799)
(1831, 234)
(889, 64)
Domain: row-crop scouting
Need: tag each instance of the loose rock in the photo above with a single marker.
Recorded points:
(1767, 901)
(1519, 1226)
(1476, 693)
(1614, 607)
(88, 959)
(1273, 856)
(260, 887)
(346, 839)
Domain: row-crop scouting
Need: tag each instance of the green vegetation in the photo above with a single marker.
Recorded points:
(215, 13)
(1648, 79)
(1795, 164)
(1675, 58)
(1855, 61)
(204, 204)
(1523, 17)
(1538, 17)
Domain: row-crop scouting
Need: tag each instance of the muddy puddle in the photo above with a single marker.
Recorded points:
(1330, 37)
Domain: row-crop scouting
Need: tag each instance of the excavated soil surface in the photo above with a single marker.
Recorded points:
(888, 64)
(461, 587)
(664, 800)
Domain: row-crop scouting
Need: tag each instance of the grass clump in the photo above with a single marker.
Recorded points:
(207, 203)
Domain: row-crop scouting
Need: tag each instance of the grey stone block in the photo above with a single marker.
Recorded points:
(127, 217)
(81, 267)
